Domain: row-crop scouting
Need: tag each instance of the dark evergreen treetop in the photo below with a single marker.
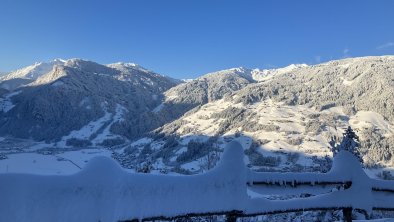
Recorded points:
(350, 142)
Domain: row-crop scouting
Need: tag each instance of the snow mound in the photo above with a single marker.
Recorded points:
(102, 191)
(346, 168)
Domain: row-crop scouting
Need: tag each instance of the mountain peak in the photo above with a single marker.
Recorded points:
(256, 74)
(34, 71)
(241, 71)
(265, 74)
(127, 65)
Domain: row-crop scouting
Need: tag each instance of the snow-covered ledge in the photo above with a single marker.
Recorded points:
(346, 168)
(103, 191)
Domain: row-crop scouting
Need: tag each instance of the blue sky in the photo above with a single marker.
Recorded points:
(184, 39)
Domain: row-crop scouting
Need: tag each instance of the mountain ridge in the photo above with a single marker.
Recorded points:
(295, 109)
(296, 112)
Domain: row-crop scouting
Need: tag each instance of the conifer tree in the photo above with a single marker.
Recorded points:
(350, 142)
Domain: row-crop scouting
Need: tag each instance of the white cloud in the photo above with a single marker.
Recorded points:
(386, 45)
(346, 52)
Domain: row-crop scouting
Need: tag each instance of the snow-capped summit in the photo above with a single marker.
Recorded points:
(79, 92)
(265, 74)
(211, 86)
(234, 72)
(125, 64)
(256, 74)
(120, 65)
(28, 74)
(34, 71)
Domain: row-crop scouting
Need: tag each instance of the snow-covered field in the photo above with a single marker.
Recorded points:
(64, 163)
(365, 119)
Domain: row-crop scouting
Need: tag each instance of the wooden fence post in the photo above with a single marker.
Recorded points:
(231, 218)
(347, 214)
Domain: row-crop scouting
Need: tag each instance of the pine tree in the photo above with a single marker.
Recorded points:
(350, 142)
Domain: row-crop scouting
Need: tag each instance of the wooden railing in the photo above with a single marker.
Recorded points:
(347, 186)
(102, 191)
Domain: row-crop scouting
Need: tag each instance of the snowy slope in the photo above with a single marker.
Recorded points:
(6, 102)
(280, 126)
(63, 99)
(286, 137)
(34, 71)
(28, 74)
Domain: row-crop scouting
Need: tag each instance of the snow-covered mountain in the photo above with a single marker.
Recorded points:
(284, 123)
(283, 117)
(266, 74)
(210, 87)
(28, 74)
(214, 86)
(79, 102)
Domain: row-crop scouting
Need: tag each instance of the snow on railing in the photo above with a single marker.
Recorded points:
(346, 169)
(103, 191)
(361, 192)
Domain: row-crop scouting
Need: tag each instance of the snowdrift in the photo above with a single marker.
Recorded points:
(103, 191)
